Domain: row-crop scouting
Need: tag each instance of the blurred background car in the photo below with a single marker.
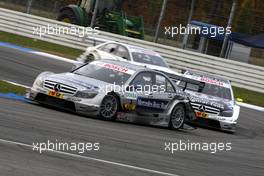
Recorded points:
(125, 52)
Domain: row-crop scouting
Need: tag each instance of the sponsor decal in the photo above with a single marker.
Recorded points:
(129, 106)
(131, 95)
(155, 104)
(114, 67)
(201, 114)
(53, 93)
(212, 81)
(208, 80)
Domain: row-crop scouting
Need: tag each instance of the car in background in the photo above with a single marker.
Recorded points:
(213, 100)
(125, 52)
(113, 89)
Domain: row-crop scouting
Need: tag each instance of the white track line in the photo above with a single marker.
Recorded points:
(17, 84)
(54, 56)
(92, 159)
(250, 106)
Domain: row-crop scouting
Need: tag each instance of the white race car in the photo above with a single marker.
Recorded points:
(133, 54)
(213, 101)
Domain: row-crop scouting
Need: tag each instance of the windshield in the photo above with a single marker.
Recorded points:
(106, 72)
(148, 59)
(209, 89)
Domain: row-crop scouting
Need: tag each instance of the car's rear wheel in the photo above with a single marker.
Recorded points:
(177, 117)
(109, 107)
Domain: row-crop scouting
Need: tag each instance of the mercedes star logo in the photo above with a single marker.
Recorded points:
(57, 88)
(202, 108)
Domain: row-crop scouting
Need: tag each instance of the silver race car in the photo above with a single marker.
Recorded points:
(213, 100)
(115, 90)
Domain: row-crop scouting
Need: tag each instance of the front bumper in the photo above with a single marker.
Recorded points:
(220, 122)
(228, 126)
(69, 103)
(216, 124)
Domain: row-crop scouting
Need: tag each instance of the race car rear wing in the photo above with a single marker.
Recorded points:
(184, 82)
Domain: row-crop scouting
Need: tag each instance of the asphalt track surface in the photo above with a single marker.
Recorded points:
(125, 149)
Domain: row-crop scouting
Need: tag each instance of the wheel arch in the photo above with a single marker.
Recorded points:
(177, 102)
(182, 103)
(118, 98)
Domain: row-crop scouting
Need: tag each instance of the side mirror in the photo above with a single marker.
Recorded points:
(239, 99)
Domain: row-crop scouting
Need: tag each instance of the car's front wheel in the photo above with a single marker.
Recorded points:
(177, 117)
(109, 107)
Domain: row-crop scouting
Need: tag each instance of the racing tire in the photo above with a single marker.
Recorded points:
(177, 117)
(68, 16)
(109, 107)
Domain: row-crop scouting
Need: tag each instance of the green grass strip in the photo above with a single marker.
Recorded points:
(40, 45)
(8, 87)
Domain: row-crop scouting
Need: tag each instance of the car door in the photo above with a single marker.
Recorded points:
(154, 92)
(162, 93)
(141, 86)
